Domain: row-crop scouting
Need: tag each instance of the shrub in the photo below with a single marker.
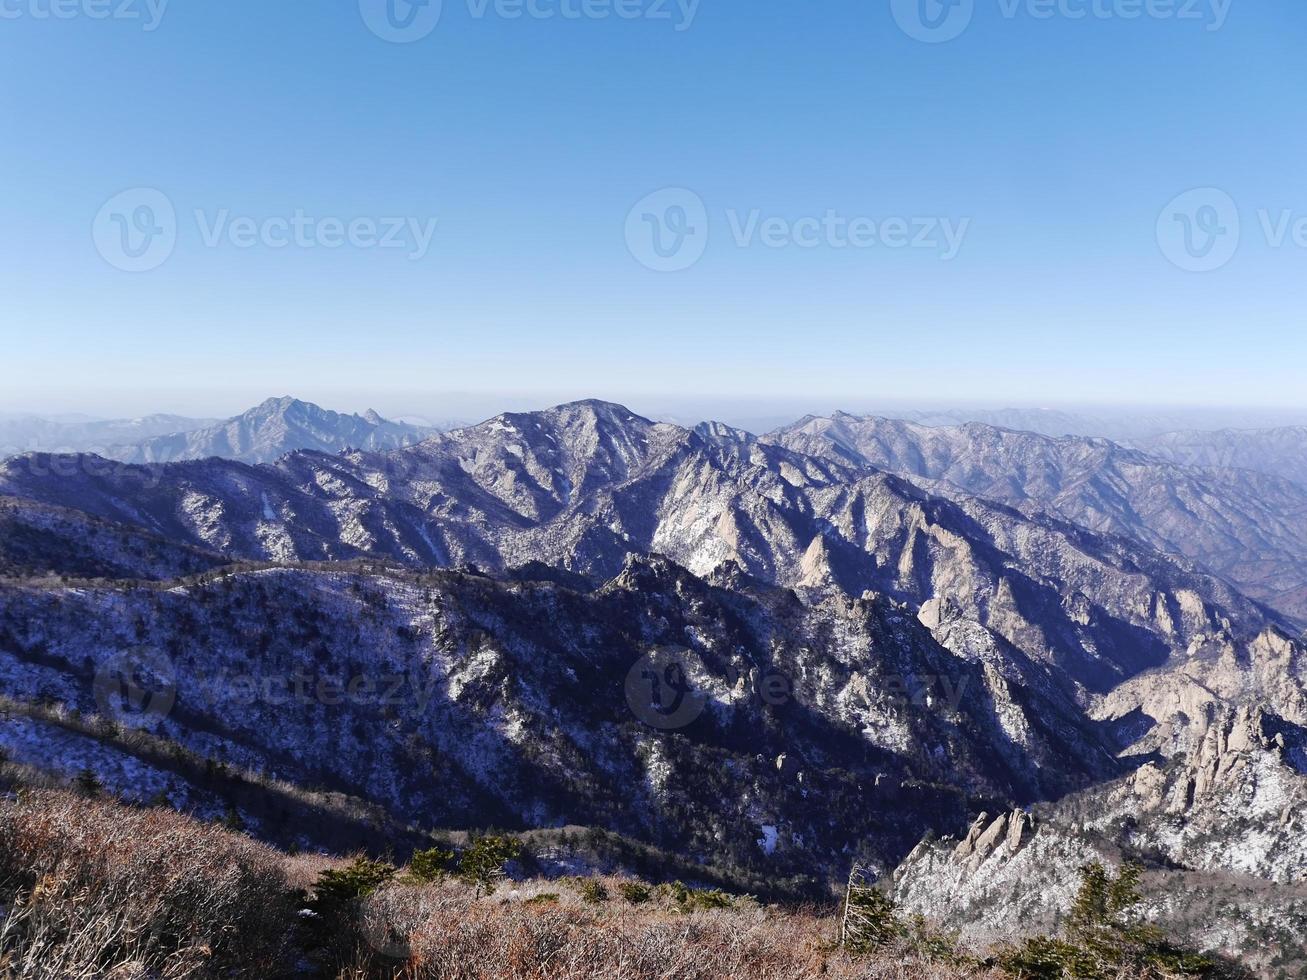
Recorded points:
(1103, 939)
(635, 893)
(870, 919)
(333, 930)
(338, 890)
(482, 863)
(430, 865)
(934, 945)
(593, 891)
(687, 899)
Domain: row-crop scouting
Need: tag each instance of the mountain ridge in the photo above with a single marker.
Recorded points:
(707, 641)
(1246, 526)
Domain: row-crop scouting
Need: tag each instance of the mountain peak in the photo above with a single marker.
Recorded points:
(599, 408)
(273, 428)
(723, 434)
(278, 404)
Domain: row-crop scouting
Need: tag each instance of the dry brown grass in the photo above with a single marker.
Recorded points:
(94, 889)
(443, 931)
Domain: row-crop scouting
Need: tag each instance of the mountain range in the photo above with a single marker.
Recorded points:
(273, 429)
(266, 432)
(1248, 525)
(777, 654)
(1279, 451)
(27, 433)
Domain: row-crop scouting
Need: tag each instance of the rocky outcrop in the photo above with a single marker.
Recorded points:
(1237, 802)
(982, 884)
(985, 836)
(1222, 826)
(1029, 890)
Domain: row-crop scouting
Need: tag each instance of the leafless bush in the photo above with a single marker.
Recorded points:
(94, 889)
(452, 935)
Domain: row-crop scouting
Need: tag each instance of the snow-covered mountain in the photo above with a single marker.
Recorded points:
(1130, 426)
(272, 429)
(513, 703)
(1279, 452)
(264, 433)
(26, 434)
(1249, 527)
(587, 485)
(861, 659)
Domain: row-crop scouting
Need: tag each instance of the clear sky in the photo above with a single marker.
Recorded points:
(1033, 158)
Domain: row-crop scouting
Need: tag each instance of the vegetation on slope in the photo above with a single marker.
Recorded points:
(95, 889)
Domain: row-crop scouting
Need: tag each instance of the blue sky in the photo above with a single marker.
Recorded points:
(1050, 144)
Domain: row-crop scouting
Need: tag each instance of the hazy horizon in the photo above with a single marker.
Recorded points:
(757, 414)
